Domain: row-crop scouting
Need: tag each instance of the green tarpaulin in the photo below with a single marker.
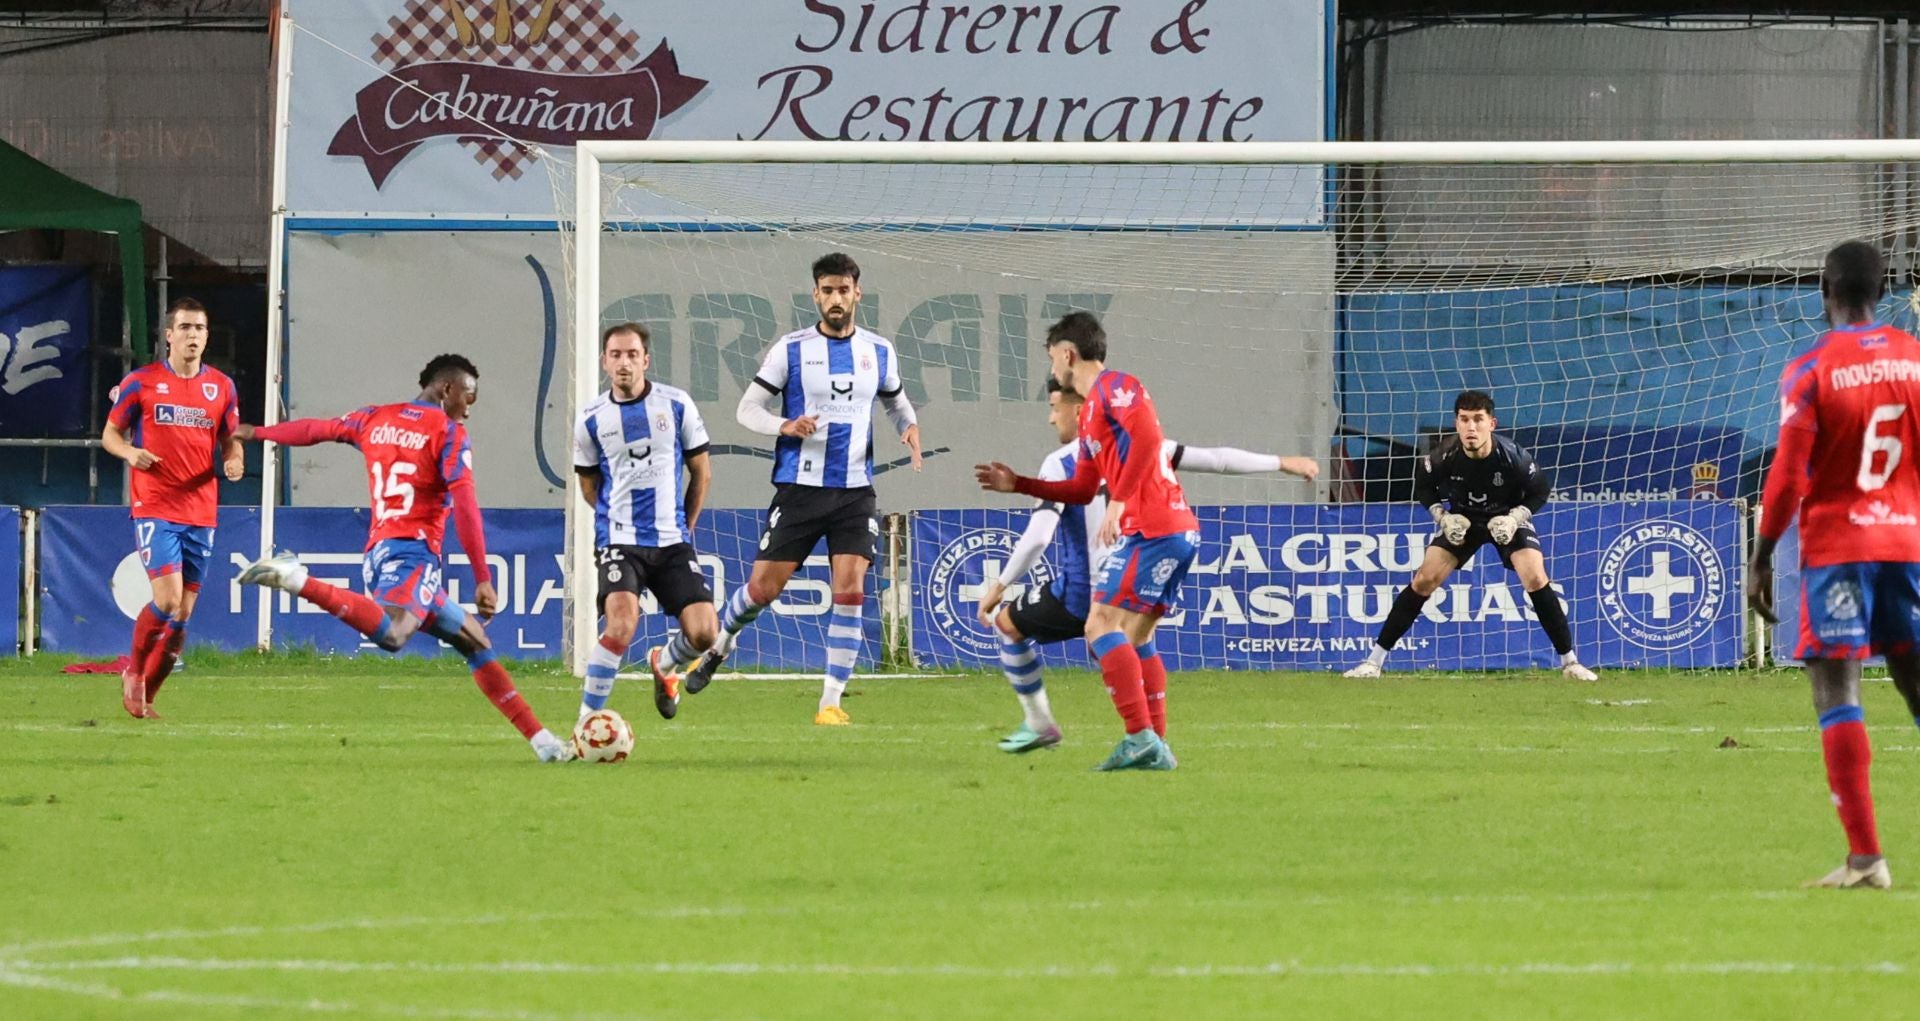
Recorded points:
(33, 194)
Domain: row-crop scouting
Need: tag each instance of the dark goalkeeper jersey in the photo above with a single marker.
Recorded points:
(1481, 488)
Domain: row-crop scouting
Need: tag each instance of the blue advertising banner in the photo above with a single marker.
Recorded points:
(46, 323)
(10, 578)
(1305, 588)
(92, 584)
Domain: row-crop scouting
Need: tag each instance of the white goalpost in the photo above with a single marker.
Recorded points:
(1628, 304)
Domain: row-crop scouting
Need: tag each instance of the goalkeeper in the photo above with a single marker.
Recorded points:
(1481, 489)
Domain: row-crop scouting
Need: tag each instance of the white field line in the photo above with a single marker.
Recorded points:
(1269, 969)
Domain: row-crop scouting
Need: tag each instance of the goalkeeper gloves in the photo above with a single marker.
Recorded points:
(1453, 527)
(1505, 526)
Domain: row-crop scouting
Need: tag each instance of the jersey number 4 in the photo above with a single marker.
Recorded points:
(392, 495)
(1873, 442)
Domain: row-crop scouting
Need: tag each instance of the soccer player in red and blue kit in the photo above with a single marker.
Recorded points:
(170, 421)
(1121, 444)
(1849, 436)
(418, 464)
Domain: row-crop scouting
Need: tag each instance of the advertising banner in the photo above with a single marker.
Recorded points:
(1650, 584)
(46, 323)
(464, 107)
(92, 587)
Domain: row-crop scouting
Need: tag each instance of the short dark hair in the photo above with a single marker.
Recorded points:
(1082, 330)
(183, 305)
(836, 264)
(1473, 400)
(646, 339)
(1854, 276)
(1054, 387)
(446, 366)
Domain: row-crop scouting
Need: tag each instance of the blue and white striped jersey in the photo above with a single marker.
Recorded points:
(1075, 552)
(838, 381)
(640, 448)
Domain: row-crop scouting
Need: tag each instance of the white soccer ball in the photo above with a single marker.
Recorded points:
(602, 736)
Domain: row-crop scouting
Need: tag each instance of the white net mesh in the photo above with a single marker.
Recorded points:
(1629, 320)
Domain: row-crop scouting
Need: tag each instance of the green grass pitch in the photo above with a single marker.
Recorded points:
(304, 838)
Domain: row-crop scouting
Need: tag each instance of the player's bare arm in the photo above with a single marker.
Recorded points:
(699, 479)
(115, 442)
(235, 464)
(1110, 523)
(912, 439)
(588, 481)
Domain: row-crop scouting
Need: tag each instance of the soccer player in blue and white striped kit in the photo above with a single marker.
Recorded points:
(816, 390)
(640, 452)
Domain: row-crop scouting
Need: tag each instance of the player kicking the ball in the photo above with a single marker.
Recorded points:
(418, 463)
(1071, 540)
(640, 451)
(170, 422)
(1481, 488)
(815, 391)
(1845, 464)
(1120, 444)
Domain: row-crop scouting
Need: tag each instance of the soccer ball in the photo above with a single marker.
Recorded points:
(602, 736)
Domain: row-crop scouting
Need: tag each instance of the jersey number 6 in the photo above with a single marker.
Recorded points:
(1872, 442)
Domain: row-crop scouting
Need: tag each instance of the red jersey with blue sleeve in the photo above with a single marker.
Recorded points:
(1121, 443)
(1849, 440)
(181, 420)
(419, 463)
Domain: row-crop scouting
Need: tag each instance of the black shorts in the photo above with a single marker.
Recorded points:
(669, 572)
(1042, 617)
(1478, 536)
(801, 516)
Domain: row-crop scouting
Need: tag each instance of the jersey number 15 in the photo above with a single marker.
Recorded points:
(393, 495)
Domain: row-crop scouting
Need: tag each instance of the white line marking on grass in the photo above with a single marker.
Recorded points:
(1275, 969)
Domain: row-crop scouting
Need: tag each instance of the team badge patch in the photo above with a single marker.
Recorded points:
(211, 391)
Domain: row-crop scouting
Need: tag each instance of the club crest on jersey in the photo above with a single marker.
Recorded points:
(660, 421)
(210, 391)
(866, 363)
(1843, 601)
(1499, 479)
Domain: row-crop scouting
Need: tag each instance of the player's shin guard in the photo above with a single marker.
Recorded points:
(1153, 678)
(741, 610)
(603, 662)
(680, 651)
(159, 663)
(1406, 610)
(1120, 666)
(843, 645)
(1020, 661)
(355, 610)
(1843, 741)
(148, 629)
(1553, 618)
(497, 685)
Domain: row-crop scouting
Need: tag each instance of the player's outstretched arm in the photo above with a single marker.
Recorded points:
(1234, 461)
(300, 432)
(1033, 541)
(1081, 489)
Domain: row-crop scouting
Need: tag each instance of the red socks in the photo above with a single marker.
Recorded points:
(357, 611)
(1153, 675)
(498, 687)
(1120, 666)
(159, 662)
(1843, 739)
(147, 628)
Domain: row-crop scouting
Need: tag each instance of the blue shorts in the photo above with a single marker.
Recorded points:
(166, 547)
(1144, 575)
(1853, 611)
(404, 573)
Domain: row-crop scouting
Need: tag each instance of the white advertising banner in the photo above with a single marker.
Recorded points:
(458, 108)
(1249, 367)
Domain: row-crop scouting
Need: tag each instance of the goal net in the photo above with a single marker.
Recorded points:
(1629, 312)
